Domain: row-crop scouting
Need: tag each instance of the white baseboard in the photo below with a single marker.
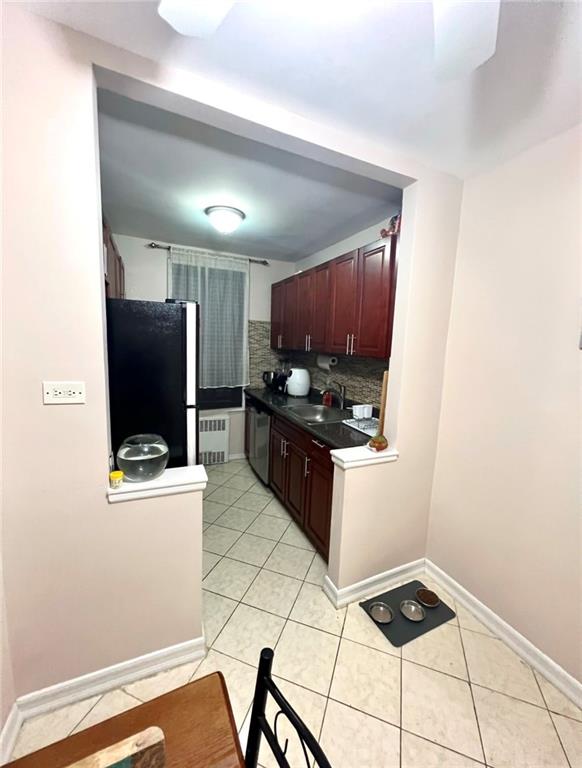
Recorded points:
(79, 688)
(235, 456)
(526, 650)
(362, 589)
(9, 733)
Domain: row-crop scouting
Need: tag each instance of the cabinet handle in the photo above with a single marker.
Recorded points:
(281, 447)
(318, 444)
(285, 443)
(352, 348)
(306, 347)
(348, 344)
(309, 342)
(306, 467)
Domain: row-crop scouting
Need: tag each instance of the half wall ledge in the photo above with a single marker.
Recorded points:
(361, 456)
(170, 482)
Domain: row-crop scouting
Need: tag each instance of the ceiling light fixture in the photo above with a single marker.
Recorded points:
(224, 218)
(195, 19)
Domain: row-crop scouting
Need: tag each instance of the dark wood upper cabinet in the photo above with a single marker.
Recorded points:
(376, 280)
(288, 328)
(304, 302)
(342, 302)
(343, 307)
(320, 308)
(277, 293)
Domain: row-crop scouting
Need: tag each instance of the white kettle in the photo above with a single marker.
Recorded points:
(298, 382)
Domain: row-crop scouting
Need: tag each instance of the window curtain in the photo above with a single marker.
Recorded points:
(220, 285)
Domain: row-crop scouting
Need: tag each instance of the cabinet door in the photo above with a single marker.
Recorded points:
(376, 283)
(277, 465)
(343, 282)
(318, 505)
(296, 481)
(304, 300)
(289, 314)
(277, 292)
(320, 310)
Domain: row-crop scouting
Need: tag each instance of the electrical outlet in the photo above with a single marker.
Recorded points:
(63, 392)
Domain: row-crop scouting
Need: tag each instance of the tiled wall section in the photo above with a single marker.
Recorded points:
(361, 376)
(261, 356)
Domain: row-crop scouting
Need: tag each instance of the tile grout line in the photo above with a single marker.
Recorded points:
(552, 719)
(283, 627)
(85, 715)
(472, 695)
(332, 676)
(257, 535)
(238, 602)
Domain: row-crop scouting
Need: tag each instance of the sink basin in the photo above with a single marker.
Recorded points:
(317, 414)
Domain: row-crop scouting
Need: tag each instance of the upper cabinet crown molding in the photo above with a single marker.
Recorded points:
(344, 306)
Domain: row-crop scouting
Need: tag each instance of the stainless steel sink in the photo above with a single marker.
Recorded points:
(317, 414)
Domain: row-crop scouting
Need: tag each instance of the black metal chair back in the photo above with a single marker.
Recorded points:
(259, 725)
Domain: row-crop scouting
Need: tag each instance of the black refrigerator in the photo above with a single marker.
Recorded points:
(152, 350)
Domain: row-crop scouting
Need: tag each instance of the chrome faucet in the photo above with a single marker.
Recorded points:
(338, 390)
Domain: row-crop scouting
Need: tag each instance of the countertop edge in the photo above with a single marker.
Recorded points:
(352, 458)
(171, 482)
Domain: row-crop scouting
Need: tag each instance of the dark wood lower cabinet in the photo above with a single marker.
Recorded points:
(318, 504)
(301, 475)
(296, 481)
(277, 465)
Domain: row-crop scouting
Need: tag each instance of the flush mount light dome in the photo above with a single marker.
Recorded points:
(224, 218)
(195, 18)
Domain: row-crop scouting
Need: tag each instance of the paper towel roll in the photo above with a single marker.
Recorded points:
(326, 362)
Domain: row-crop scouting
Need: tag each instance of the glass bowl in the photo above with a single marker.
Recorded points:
(143, 457)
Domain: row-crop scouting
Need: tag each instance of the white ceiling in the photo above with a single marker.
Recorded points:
(159, 171)
(368, 66)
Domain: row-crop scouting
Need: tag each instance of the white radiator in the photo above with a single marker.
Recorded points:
(213, 433)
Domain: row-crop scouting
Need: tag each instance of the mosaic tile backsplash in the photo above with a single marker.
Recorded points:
(261, 356)
(361, 376)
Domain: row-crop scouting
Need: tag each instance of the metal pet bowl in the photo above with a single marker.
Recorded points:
(381, 613)
(412, 610)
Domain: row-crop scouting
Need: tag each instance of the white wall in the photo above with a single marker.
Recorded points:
(357, 240)
(146, 275)
(505, 517)
(87, 584)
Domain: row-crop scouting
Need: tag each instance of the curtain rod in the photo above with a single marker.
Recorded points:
(263, 262)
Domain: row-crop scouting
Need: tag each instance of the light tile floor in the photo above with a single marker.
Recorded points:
(455, 698)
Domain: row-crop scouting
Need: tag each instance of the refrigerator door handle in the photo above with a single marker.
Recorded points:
(191, 353)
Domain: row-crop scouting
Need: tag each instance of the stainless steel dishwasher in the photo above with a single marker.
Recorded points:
(259, 426)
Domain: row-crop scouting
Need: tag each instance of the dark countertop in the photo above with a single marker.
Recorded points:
(334, 434)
